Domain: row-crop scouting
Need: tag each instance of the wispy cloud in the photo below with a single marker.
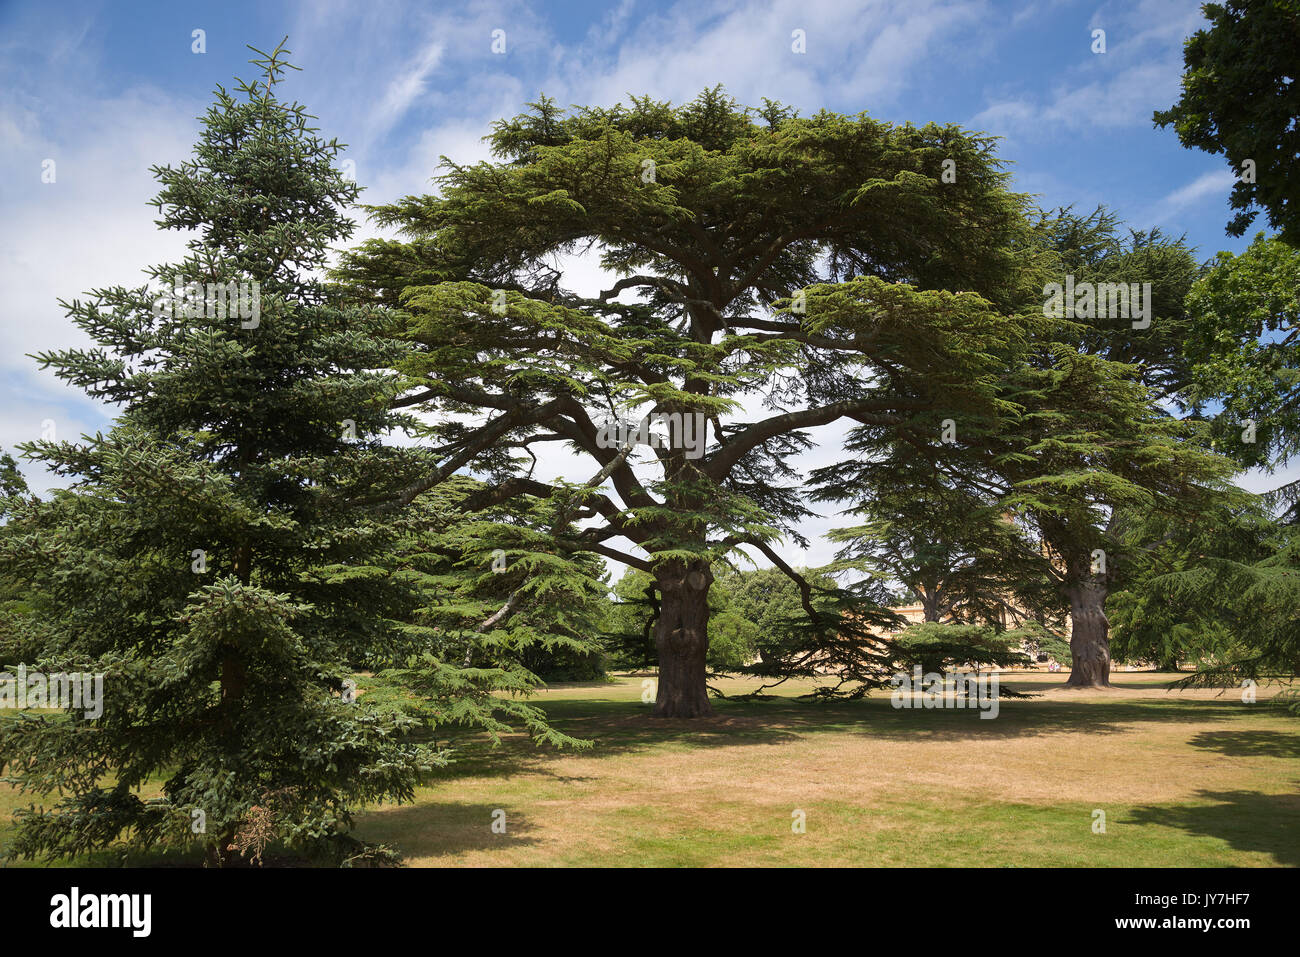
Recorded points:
(1138, 73)
(403, 90)
(1214, 183)
(404, 83)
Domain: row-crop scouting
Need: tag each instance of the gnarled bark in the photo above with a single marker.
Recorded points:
(682, 637)
(1089, 636)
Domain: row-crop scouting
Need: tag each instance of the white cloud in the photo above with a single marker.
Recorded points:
(1217, 182)
(859, 53)
(1138, 74)
(405, 85)
(89, 228)
(403, 90)
(1110, 103)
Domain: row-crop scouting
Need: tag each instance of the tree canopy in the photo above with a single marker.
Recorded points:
(1240, 97)
(822, 268)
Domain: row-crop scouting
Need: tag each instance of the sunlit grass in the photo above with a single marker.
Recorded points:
(1188, 778)
(1185, 778)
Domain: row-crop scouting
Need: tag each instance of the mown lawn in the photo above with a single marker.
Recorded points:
(1184, 778)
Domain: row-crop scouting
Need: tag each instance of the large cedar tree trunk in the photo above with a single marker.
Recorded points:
(930, 608)
(682, 638)
(1089, 636)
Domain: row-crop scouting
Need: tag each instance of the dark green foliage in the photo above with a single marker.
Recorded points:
(950, 543)
(1244, 356)
(1240, 97)
(771, 603)
(1224, 596)
(1159, 550)
(12, 483)
(1042, 641)
(200, 561)
(938, 647)
(627, 632)
(756, 616)
(227, 554)
(823, 263)
(1096, 249)
(500, 607)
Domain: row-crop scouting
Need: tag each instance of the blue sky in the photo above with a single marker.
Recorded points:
(107, 89)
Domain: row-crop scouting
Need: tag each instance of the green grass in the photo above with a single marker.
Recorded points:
(1184, 779)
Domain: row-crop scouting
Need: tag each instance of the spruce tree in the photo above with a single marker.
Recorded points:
(211, 556)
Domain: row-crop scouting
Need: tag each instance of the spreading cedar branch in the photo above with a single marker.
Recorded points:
(771, 274)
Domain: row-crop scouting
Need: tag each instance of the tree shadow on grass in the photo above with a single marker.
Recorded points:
(626, 727)
(442, 829)
(1247, 820)
(1045, 717)
(1250, 744)
(788, 720)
